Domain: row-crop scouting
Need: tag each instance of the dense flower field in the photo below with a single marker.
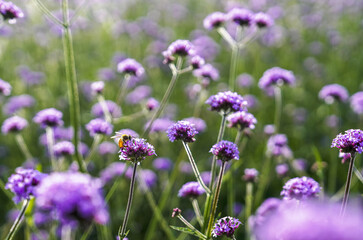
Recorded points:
(181, 119)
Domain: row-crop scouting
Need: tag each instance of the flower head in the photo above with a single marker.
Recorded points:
(112, 107)
(159, 125)
(349, 142)
(225, 227)
(63, 148)
(198, 123)
(97, 87)
(176, 212)
(113, 170)
(275, 76)
(191, 190)
(250, 175)
(356, 102)
(23, 182)
(130, 66)
(181, 48)
(152, 104)
(332, 92)
(182, 130)
(197, 61)
(72, 198)
(99, 126)
(136, 150)
(241, 120)
(214, 20)
(16, 103)
(107, 148)
(300, 188)
(277, 146)
(241, 16)
(225, 151)
(162, 164)
(5, 87)
(226, 102)
(49, 117)
(263, 20)
(207, 71)
(282, 169)
(13, 124)
(10, 11)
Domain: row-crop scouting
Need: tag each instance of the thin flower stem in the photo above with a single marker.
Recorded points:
(233, 237)
(104, 107)
(71, 77)
(66, 233)
(263, 180)
(248, 209)
(197, 212)
(96, 141)
(166, 96)
(122, 229)
(18, 220)
(215, 199)
(226, 36)
(195, 168)
(278, 107)
(181, 218)
(48, 13)
(50, 144)
(123, 89)
(233, 67)
(78, 10)
(23, 147)
(231, 195)
(347, 185)
(130, 117)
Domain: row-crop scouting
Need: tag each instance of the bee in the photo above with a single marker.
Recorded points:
(123, 139)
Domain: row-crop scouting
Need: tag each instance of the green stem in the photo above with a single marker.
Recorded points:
(23, 147)
(197, 211)
(347, 185)
(46, 11)
(248, 209)
(195, 168)
(278, 107)
(96, 141)
(226, 36)
(71, 76)
(104, 107)
(215, 200)
(66, 233)
(233, 66)
(50, 145)
(18, 220)
(123, 89)
(263, 180)
(181, 218)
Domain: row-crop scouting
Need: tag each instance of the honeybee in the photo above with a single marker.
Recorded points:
(123, 139)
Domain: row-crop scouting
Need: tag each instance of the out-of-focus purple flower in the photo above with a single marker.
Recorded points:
(250, 175)
(59, 133)
(49, 117)
(152, 104)
(263, 20)
(99, 126)
(186, 168)
(245, 80)
(299, 164)
(356, 102)
(72, 198)
(191, 190)
(349, 142)
(63, 148)
(162, 164)
(83, 149)
(10, 11)
(205, 177)
(97, 87)
(206, 47)
(112, 107)
(241, 120)
(345, 156)
(149, 177)
(225, 151)
(29, 77)
(332, 92)
(106, 74)
(182, 130)
(282, 169)
(138, 94)
(303, 188)
(5, 87)
(136, 150)
(181, 48)
(23, 182)
(237, 208)
(277, 145)
(13, 124)
(107, 148)
(159, 125)
(18, 102)
(113, 170)
(207, 71)
(332, 121)
(197, 61)
(269, 129)
(226, 102)
(276, 76)
(130, 66)
(241, 16)
(225, 227)
(198, 123)
(267, 208)
(251, 100)
(214, 20)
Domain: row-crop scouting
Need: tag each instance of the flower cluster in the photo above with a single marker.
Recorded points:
(162, 164)
(241, 120)
(17, 103)
(10, 11)
(250, 175)
(214, 20)
(356, 102)
(225, 151)
(276, 76)
(130, 66)
(277, 146)
(112, 107)
(97, 87)
(226, 227)
(5, 87)
(136, 150)
(182, 130)
(13, 124)
(332, 92)
(23, 183)
(349, 142)
(226, 102)
(99, 126)
(63, 148)
(207, 71)
(191, 190)
(49, 117)
(300, 188)
(113, 170)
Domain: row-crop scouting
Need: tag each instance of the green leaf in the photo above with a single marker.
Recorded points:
(188, 231)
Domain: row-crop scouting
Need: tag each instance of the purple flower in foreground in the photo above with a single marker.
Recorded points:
(136, 150)
(225, 227)
(13, 124)
(23, 182)
(99, 126)
(72, 198)
(267, 208)
(5, 87)
(207, 71)
(112, 107)
(63, 148)
(130, 66)
(276, 76)
(16, 103)
(356, 102)
(303, 188)
(250, 175)
(349, 142)
(263, 20)
(241, 120)
(332, 92)
(182, 130)
(162, 164)
(226, 102)
(49, 117)
(225, 151)
(191, 190)
(241, 16)
(214, 20)
(10, 11)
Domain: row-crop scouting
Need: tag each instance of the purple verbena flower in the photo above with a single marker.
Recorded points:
(180, 48)
(299, 164)
(206, 177)
(112, 107)
(29, 77)
(241, 16)
(214, 20)
(106, 74)
(349, 142)
(245, 80)
(198, 123)
(49, 117)
(16, 103)
(152, 104)
(276, 76)
(99, 126)
(162, 164)
(13, 124)
(149, 178)
(277, 146)
(197, 61)
(5, 87)
(136, 150)
(191, 190)
(97, 87)
(332, 92)
(250, 175)
(263, 20)
(10, 11)
(303, 188)
(207, 71)
(113, 170)
(130, 66)
(159, 125)
(63, 148)
(23, 182)
(282, 169)
(225, 227)
(182, 130)
(241, 120)
(138, 94)
(225, 151)
(107, 148)
(226, 102)
(356, 102)
(72, 198)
